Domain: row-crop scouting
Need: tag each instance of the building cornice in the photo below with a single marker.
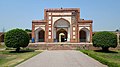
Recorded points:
(85, 21)
(62, 9)
(39, 21)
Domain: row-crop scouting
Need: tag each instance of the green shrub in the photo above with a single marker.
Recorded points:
(28, 30)
(100, 59)
(16, 38)
(105, 40)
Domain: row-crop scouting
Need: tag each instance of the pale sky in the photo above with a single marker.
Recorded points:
(20, 13)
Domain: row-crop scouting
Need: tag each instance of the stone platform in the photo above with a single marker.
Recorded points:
(59, 46)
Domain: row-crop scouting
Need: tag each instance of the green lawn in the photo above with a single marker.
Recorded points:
(11, 58)
(2, 46)
(111, 58)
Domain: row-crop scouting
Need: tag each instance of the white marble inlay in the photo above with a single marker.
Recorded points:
(49, 33)
(84, 28)
(49, 13)
(66, 18)
(49, 28)
(65, 13)
(49, 17)
(74, 28)
(73, 37)
(49, 22)
(40, 28)
(39, 25)
(49, 37)
(84, 25)
(73, 33)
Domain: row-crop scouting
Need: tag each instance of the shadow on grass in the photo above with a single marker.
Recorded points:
(23, 51)
(105, 51)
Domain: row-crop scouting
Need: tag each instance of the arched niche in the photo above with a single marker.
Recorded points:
(61, 35)
(60, 25)
(39, 35)
(84, 35)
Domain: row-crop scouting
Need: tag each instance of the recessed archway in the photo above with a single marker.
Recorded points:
(39, 35)
(61, 26)
(84, 35)
(61, 35)
(61, 23)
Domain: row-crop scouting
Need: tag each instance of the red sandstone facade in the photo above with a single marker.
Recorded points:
(62, 25)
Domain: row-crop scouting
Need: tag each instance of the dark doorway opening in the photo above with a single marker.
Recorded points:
(82, 36)
(41, 36)
(63, 37)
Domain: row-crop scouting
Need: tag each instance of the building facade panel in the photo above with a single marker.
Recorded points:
(62, 25)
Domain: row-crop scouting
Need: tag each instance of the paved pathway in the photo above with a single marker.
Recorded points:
(61, 58)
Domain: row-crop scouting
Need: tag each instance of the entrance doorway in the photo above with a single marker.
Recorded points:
(61, 35)
(41, 35)
(61, 26)
(84, 35)
(62, 38)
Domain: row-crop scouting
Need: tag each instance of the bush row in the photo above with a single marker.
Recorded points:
(100, 59)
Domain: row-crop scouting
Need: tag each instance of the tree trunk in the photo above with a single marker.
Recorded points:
(18, 49)
(105, 48)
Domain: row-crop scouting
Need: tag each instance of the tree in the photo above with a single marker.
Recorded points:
(16, 38)
(28, 30)
(105, 40)
(117, 30)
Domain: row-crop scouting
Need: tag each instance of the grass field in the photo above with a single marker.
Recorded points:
(2, 46)
(111, 58)
(10, 58)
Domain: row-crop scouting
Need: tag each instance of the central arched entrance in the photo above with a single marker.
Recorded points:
(61, 31)
(61, 35)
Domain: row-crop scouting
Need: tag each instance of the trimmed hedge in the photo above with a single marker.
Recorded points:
(105, 40)
(16, 38)
(100, 59)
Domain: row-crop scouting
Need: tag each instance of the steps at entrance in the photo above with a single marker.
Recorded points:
(61, 47)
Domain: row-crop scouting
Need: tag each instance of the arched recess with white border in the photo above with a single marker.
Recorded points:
(61, 23)
(37, 31)
(87, 30)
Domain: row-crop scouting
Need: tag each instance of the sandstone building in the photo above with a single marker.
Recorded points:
(62, 25)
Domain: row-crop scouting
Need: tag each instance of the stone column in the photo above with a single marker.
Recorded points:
(88, 35)
(54, 34)
(91, 33)
(36, 36)
(68, 39)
